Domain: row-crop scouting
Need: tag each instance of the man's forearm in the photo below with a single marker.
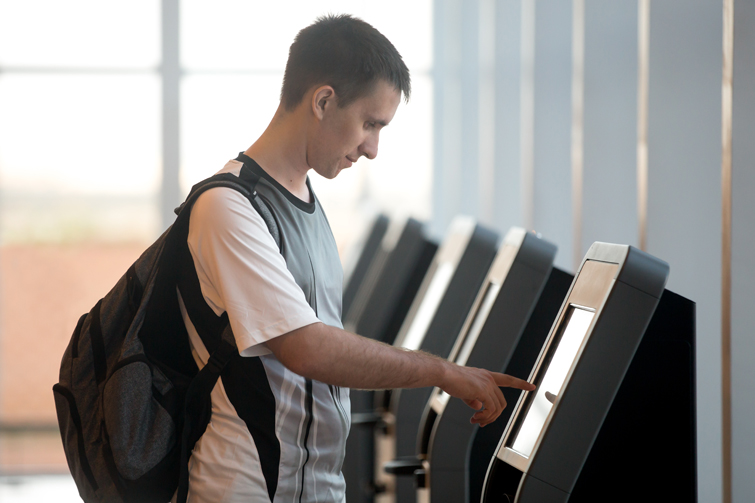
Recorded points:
(334, 356)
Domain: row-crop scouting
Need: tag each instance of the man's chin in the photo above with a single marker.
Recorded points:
(330, 174)
(331, 171)
(335, 173)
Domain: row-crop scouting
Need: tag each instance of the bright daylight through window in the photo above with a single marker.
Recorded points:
(81, 160)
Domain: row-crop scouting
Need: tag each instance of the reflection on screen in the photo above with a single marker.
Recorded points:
(480, 318)
(577, 322)
(429, 305)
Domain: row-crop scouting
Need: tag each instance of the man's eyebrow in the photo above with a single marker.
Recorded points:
(377, 121)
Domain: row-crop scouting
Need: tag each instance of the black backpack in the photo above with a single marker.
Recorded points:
(131, 403)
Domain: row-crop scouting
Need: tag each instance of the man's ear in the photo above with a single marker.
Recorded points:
(323, 98)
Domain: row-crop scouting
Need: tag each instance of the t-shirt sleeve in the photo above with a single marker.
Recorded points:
(241, 271)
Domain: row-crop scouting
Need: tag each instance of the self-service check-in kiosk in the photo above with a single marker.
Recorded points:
(435, 318)
(377, 311)
(520, 283)
(585, 384)
(355, 271)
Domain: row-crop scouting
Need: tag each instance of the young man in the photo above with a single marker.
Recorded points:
(280, 434)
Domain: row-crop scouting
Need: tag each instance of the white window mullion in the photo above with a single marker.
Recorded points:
(170, 72)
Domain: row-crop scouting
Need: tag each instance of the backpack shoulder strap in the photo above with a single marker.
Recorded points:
(246, 183)
(252, 178)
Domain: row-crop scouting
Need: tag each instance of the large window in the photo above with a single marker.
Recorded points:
(79, 182)
(233, 55)
(82, 158)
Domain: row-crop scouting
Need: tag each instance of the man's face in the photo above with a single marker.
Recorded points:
(345, 134)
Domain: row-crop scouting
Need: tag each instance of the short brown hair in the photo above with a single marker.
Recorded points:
(343, 52)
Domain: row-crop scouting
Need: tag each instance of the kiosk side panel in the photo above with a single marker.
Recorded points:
(366, 256)
(647, 444)
(394, 276)
(535, 490)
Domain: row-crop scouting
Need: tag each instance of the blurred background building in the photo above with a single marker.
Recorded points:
(582, 119)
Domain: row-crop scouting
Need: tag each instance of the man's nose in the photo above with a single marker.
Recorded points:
(370, 146)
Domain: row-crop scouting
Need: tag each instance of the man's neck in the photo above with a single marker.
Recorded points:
(281, 152)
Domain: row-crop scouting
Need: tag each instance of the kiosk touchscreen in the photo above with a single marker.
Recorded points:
(579, 371)
(356, 266)
(515, 284)
(434, 320)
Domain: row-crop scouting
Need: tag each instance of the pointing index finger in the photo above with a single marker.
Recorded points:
(512, 382)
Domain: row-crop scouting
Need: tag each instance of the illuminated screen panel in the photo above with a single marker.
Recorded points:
(573, 332)
(430, 302)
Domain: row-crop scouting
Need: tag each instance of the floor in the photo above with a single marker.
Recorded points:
(38, 488)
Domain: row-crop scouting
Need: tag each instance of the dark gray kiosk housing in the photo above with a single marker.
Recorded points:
(581, 416)
(433, 323)
(499, 317)
(355, 273)
(395, 273)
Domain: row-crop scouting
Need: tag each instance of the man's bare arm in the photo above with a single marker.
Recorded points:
(334, 356)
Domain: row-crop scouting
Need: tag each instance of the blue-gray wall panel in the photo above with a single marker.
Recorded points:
(447, 196)
(470, 115)
(507, 197)
(609, 201)
(684, 197)
(552, 206)
(743, 253)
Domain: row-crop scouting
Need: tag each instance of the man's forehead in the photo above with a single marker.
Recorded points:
(380, 104)
(382, 89)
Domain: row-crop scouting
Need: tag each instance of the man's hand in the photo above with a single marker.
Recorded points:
(480, 389)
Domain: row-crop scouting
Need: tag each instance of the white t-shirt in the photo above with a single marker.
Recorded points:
(241, 272)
